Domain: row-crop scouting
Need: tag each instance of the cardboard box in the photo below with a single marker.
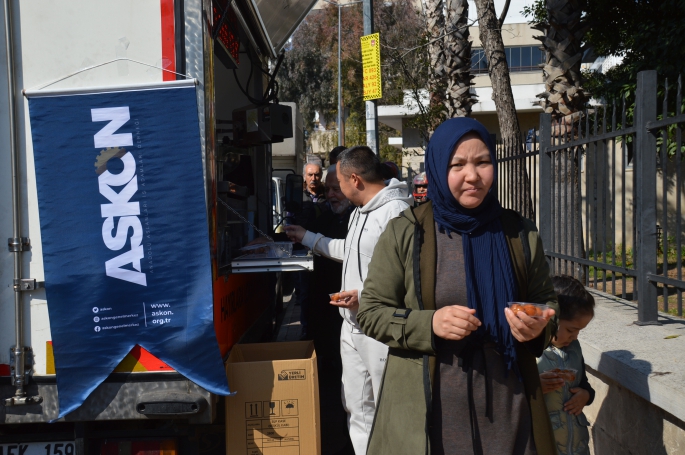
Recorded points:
(275, 410)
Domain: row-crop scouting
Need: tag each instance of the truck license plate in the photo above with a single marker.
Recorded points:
(38, 448)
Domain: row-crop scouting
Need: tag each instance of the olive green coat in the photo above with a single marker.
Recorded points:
(397, 282)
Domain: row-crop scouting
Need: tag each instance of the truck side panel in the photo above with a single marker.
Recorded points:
(51, 40)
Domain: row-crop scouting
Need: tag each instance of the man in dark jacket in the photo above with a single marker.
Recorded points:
(325, 322)
(313, 199)
(313, 205)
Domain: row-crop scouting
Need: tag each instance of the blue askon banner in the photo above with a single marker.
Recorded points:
(124, 234)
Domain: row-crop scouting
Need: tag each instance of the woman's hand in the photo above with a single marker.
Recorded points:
(575, 405)
(348, 300)
(526, 328)
(295, 233)
(455, 322)
(550, 382)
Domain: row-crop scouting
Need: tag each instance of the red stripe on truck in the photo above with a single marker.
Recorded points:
(149, 361)
(4, 369)
(168, 40)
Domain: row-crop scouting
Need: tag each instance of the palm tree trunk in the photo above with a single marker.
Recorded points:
(457, 51)
(565, 98)
(562, 42)
(435, 23)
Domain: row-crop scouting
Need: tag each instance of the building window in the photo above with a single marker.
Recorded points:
(479, 63)
(522, 58)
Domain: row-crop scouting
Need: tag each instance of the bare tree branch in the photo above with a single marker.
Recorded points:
(505, 10)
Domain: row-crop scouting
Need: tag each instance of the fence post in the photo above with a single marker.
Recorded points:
(545, 183)
(645, 197)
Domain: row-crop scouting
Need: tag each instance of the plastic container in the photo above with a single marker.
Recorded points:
(269, 250)
(335, 297)
(281, 249)
(567, 374)
(534, 310)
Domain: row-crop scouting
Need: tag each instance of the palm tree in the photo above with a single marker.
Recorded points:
(564, 98)
(562, 42)
(449, 49)
(435, 25)
(457, 51)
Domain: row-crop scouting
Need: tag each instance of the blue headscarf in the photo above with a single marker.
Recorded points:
(490, 279)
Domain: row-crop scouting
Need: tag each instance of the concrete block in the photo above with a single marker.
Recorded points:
(624, 423)
(638, 375)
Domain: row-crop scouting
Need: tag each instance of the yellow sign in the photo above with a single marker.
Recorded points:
(371, 62)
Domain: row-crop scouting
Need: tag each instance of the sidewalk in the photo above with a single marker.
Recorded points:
(290, 329)
(638, 373)
(647, 360)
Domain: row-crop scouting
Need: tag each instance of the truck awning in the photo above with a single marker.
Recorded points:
(275, 21)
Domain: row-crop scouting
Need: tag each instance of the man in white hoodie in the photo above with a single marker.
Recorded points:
(361, 181)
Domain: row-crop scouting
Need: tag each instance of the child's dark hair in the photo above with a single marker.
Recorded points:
(574, 299)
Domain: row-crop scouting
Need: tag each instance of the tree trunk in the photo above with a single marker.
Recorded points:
(457, 51)
(565, 98)
(567, 213)
(435, 23)
(491, 38)
(562, 43)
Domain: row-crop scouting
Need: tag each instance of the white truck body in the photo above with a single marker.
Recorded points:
(53, 46)
(125, 42)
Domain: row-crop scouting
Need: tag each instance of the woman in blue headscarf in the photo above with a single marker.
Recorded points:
(461, 376)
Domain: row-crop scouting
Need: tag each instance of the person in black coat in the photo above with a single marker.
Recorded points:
(325, 322)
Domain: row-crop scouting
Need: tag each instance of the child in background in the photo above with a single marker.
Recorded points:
(566, 399)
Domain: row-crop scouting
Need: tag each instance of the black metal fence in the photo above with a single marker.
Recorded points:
(606, 191)
(512, 158)
(610, 198)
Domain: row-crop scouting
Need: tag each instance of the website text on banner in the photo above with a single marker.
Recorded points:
(124, 233)
(371, 65)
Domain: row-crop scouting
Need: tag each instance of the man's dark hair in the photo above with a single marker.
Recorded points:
(362, 161)
(333, 156)
(574, 299)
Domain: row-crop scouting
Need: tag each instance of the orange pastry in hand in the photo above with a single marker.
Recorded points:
(531, 309)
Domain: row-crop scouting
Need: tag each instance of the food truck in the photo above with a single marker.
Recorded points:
(227, 52)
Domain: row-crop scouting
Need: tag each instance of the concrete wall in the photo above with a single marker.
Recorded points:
(517, 78)
(625, 423)
(520, 34)
(412, 160)
(639, 378)
(322, 142)
(527, 120)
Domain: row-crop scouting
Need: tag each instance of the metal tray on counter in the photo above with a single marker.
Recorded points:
(260, 263)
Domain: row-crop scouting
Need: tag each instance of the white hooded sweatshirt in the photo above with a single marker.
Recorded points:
(366, 225)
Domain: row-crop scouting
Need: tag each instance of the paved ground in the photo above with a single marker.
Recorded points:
(290, 327)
